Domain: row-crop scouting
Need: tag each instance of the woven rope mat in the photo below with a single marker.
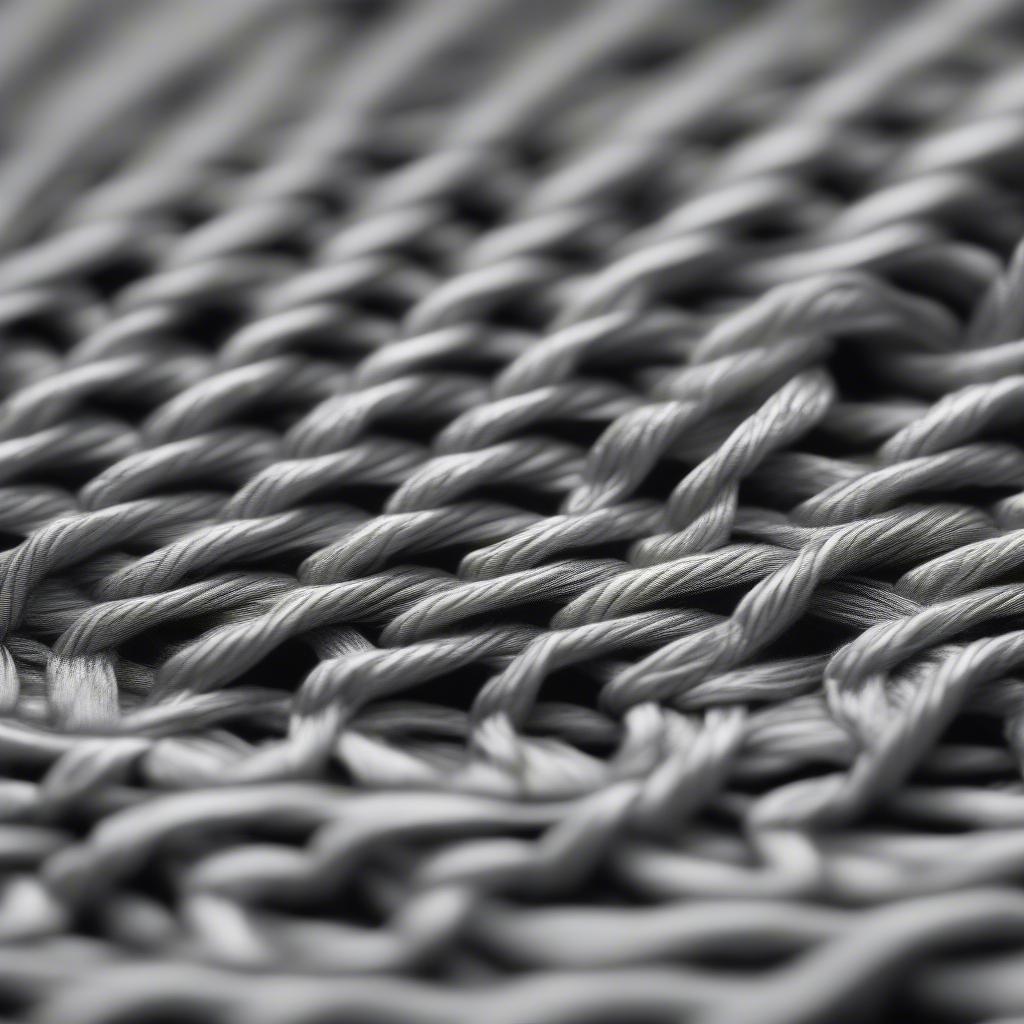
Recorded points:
(511, 511)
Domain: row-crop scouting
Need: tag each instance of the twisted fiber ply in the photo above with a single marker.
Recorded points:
(511, 511)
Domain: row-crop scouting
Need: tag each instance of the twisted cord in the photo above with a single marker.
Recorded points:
(511, 511)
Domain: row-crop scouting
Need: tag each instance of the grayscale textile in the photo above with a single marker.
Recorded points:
(511, 511)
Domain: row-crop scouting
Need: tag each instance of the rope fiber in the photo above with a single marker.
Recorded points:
(511, 511)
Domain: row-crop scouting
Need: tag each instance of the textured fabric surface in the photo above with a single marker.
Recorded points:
(511, 511)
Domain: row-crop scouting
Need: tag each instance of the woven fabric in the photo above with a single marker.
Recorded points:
(512, 512)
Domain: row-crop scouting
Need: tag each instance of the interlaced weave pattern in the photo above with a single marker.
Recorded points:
(512, 511)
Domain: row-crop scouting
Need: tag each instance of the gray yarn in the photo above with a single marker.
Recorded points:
(511, 511)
